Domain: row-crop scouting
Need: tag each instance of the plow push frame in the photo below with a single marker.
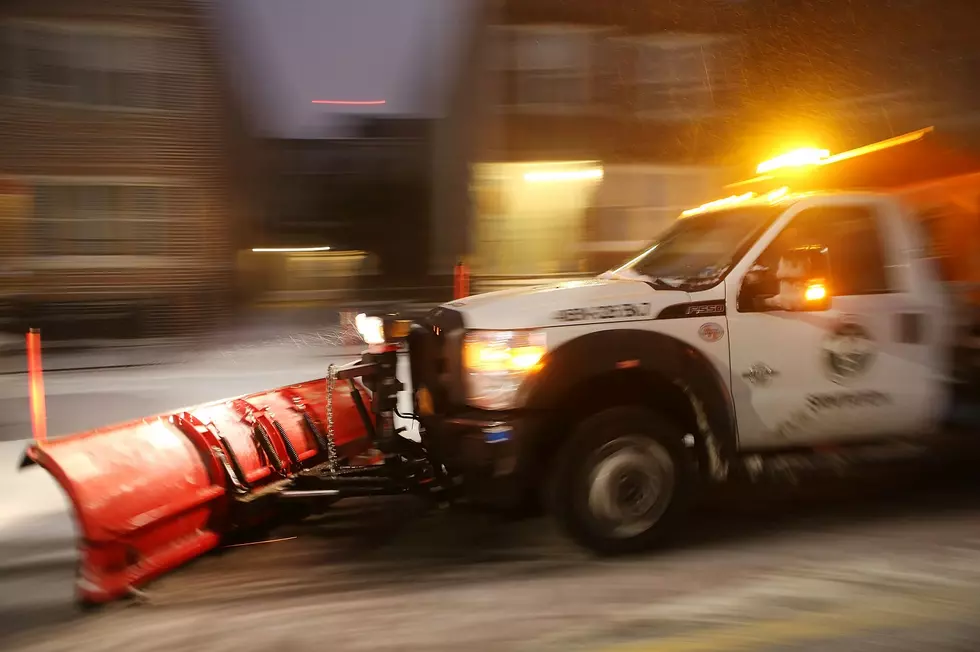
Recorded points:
(401, 464)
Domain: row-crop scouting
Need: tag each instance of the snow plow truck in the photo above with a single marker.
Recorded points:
(829, 303)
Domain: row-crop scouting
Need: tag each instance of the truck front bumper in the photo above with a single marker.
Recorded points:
(490, 451)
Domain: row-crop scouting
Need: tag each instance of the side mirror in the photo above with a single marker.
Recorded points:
(800, 283)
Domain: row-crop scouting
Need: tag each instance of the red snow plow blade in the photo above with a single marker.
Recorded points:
(152, 494)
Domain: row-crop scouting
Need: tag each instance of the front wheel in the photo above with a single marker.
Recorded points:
(622, 479)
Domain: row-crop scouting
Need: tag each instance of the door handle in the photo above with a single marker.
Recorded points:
(911, 327)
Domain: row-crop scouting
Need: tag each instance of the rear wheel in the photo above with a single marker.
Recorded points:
(622, 480)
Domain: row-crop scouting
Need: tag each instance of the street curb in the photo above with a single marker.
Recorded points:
(284, 352)
(105, 367)
(18, 346)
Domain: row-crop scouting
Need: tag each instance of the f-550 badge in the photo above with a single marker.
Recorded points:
(710, 308)
(617, 311)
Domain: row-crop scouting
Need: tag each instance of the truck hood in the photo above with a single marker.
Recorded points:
(573, 302)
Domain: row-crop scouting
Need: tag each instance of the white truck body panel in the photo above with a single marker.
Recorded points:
(902, 391)
(819, 382)
(536, 307)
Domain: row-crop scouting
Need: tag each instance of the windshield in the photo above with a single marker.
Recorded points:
(698, 251)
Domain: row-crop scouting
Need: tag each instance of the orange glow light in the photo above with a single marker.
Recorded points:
(910, 137)
(794, 159)
(806, 159)
(719, 203)
(815, 292)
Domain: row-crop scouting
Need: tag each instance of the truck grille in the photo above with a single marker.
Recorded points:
(435, 350)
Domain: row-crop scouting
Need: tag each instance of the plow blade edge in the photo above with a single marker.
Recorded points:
(151, 494)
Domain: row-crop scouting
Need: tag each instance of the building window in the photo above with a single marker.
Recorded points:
(101, 68)
(101, 220)
(553, 67)
(7, 62)
(677, 77)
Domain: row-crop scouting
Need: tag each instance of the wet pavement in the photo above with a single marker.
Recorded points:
(890, 562)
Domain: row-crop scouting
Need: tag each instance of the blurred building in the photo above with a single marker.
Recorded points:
(343, 218)
(389, 178)
(117, 158)
(605, 121)
(139, 139)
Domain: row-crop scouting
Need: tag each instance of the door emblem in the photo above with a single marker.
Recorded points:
(711, 332)
(760, 374)
(848, 352)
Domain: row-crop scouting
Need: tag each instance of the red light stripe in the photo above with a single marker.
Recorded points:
(351, 102)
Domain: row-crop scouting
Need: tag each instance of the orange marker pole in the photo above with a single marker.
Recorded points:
(461, 281)
(35, 380)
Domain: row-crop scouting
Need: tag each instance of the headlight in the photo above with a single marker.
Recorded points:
(371, 329)
(496, 364)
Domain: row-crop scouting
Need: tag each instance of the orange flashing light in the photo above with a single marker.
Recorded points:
(778, 194)
(815, 291)
(773, 196)
(794, 159)
(718, 203)
(910, 137)
(801, 160)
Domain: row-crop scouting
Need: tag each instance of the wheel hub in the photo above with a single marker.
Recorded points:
(631, 485)
(635, 493)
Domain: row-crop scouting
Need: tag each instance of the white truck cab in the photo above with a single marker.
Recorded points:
(753, 325)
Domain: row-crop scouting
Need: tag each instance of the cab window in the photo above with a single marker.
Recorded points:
(853, 240)
(939, 239)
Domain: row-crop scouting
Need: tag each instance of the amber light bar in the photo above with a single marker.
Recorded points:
(772, 167)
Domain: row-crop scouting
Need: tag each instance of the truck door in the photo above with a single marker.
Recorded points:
(845, 372)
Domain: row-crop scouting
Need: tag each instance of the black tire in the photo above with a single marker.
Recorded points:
(621, 480)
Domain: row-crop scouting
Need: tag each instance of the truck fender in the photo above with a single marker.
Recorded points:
(599, 356)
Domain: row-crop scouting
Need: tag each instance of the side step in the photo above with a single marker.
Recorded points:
(855, 459)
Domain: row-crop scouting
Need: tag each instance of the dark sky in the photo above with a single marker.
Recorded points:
(285, 54)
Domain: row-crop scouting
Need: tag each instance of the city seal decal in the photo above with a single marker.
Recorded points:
(711, 332)
(615, 311)
(848, 352)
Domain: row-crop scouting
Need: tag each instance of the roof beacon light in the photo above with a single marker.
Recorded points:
(795, 159)
(809, 158)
